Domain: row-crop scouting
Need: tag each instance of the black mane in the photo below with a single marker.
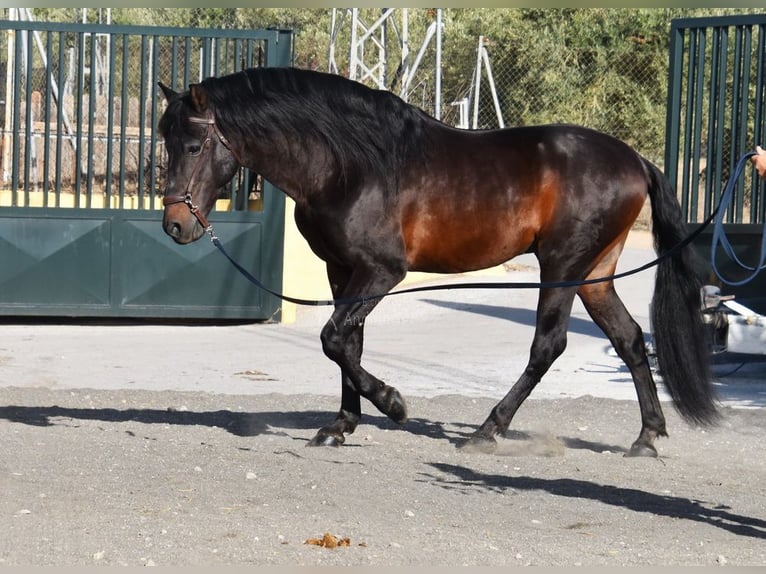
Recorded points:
(371, 133)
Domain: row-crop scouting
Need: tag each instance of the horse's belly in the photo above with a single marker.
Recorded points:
(464, 248)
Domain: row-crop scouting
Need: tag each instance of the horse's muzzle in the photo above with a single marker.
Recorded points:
(181, 225)
(183, 220)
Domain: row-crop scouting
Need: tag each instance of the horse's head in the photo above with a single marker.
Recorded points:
(200, 162)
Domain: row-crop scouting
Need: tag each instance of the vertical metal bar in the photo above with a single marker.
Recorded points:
(110, 103)
(91, 121)
(673, 114)
(742, 130)
(79, 115)
(736, 97)
(691, 69)
(696, 135)
(237, 62)
(690, 108)
(251, 63)
(234, 64)
(173, 80)
(8, 51)
(222, 56)
(16, 153)
(187, 62)
(28, 127)
(720, 93)
(713, 103)
(47, 118)
(205, 60)
(124, 110)
(60, 110)
(240, 201)
(142, 121)
(153, 133)
(757, 187)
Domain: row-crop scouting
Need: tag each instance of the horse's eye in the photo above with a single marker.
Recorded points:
(193, 149)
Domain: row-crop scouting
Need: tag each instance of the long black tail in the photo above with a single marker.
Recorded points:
(679, 336)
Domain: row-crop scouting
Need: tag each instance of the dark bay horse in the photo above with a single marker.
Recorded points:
(381, 188)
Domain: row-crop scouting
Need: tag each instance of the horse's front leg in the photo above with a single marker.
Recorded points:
(350, 405)
(350, 410)
(343, 341)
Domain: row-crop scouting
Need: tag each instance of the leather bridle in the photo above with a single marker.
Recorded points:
(186, 197)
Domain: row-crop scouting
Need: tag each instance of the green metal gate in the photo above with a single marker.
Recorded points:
(717, 113)
(82, 165)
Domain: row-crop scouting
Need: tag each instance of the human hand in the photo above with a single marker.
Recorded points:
(759, 161)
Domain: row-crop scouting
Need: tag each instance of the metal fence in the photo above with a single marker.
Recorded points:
(80, 103)
(716, 113)
(83, 166)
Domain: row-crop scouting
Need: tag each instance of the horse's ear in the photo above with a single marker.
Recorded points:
(198, 97)
(169, 93)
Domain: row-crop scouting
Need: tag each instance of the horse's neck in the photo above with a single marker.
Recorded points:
(299, 171)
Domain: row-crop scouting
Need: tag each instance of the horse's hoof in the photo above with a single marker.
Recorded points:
(640, 449)
(480, 444)
(396, 408)
(326, 439)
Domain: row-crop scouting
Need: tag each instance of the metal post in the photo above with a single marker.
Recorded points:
(477, 83)
(438, 88)
(9, 97)
(353, 61)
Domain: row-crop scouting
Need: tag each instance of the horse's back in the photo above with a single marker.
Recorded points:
(487, 196)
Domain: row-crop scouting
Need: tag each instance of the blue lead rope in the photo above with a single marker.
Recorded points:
(719, 233)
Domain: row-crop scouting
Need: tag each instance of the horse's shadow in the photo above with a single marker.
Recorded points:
(243, 424)
(247, 424)
(461, 478)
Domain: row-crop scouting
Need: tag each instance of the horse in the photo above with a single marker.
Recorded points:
(382, 188)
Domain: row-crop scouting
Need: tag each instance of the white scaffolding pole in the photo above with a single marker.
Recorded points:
(482, 58)
(27, 14)
(372, 53)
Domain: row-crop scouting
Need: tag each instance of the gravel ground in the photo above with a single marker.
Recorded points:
(184, 478)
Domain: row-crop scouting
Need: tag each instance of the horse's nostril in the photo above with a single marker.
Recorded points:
(174, 230)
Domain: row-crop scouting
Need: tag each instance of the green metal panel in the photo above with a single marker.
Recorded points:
(716, 103)
(105, 254)
(119, 263)
(51, 262)
(716, 112)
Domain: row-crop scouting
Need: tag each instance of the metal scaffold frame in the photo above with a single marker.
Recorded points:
(372, 47)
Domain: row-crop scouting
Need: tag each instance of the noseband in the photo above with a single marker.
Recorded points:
(186, 198)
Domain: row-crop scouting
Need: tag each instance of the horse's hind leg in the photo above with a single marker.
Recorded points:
(550, 340)
(609, 313)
